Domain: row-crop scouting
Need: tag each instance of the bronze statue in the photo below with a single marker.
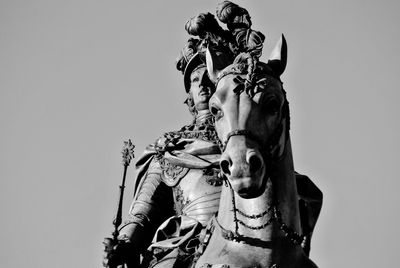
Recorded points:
(266, 211)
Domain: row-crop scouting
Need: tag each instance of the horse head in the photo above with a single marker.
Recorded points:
(251, 117)
(259, 215)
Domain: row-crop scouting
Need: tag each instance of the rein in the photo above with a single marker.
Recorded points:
(272, 210)
(293, 236)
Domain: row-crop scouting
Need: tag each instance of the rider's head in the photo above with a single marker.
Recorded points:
(197, 84)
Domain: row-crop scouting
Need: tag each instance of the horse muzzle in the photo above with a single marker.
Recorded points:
(243, 165)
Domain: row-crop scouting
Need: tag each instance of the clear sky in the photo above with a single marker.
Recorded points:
(78, 77)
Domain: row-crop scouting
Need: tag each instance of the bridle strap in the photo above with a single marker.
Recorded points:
(238, 132)
(274, 139)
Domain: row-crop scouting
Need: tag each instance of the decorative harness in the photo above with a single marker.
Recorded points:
(272, 210)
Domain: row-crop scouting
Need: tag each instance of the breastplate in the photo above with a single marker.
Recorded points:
(197, 194)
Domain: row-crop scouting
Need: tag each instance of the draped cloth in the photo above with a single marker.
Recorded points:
(187, 153)
(175, 242)
(177, 238)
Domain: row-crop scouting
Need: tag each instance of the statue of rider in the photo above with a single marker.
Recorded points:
(177, 189)
(177, 184)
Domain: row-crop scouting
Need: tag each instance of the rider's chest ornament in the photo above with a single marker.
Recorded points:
(171, 174)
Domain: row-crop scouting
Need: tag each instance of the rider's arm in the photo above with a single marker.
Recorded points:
(153, 204)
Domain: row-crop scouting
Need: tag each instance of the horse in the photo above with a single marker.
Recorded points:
(258, 222)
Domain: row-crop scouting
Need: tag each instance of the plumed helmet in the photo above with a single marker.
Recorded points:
(226, 44)
(206, 28)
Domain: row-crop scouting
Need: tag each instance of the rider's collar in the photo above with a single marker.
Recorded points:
(203, 118)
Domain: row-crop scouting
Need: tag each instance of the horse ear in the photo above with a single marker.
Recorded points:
(277, 60)
(216, 62)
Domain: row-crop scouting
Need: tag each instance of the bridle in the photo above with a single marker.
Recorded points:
(266, 148)
(274, 137)
(237, 132)
(274, 213)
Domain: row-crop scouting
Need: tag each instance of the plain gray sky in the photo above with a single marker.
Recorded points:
(78, 77)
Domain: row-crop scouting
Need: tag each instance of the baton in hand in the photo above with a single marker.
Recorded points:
(127, 156)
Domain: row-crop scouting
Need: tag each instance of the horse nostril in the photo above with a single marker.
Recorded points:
(225, 166)
(255, 163)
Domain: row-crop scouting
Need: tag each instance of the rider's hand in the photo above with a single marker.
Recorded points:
(118, 252)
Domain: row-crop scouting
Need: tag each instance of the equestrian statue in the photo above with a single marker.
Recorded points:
(222, 191)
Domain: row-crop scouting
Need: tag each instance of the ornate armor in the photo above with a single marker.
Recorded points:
(177, 184)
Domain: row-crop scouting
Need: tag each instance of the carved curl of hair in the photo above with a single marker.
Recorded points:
(239, 23)
(233, 16)
(202, 24)
(250, 41)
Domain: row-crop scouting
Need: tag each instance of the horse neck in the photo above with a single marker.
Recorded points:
(280, 191)
(285, 189)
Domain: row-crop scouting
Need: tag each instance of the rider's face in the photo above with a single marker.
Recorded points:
(201, 88)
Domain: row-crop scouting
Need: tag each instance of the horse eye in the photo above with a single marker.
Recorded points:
(216, 112)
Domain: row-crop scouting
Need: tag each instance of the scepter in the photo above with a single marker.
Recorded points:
(127, 156)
